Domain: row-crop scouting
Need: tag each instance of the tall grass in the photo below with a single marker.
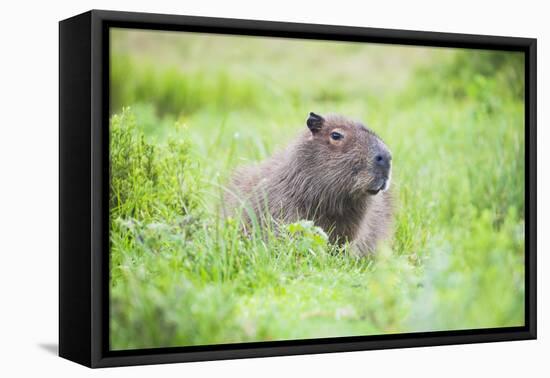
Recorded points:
(181, 274)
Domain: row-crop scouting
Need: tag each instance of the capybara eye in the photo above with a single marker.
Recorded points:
(336, 136)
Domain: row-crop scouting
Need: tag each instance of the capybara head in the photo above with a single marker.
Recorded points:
(346, 155)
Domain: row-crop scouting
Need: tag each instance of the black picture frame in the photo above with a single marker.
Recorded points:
(84, 187)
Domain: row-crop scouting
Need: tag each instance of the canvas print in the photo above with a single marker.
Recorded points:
(269, 189)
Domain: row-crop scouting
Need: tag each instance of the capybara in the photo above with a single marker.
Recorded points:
(336, 173)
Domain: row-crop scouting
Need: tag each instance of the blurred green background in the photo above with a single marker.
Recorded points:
(186, 109)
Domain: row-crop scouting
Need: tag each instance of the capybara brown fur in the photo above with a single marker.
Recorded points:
(336, 174)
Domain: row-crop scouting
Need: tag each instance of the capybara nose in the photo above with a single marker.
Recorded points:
(383, 160)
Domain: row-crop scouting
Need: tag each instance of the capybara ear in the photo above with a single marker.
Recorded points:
(315, 122)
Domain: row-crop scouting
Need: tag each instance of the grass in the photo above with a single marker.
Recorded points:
(188, 109)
